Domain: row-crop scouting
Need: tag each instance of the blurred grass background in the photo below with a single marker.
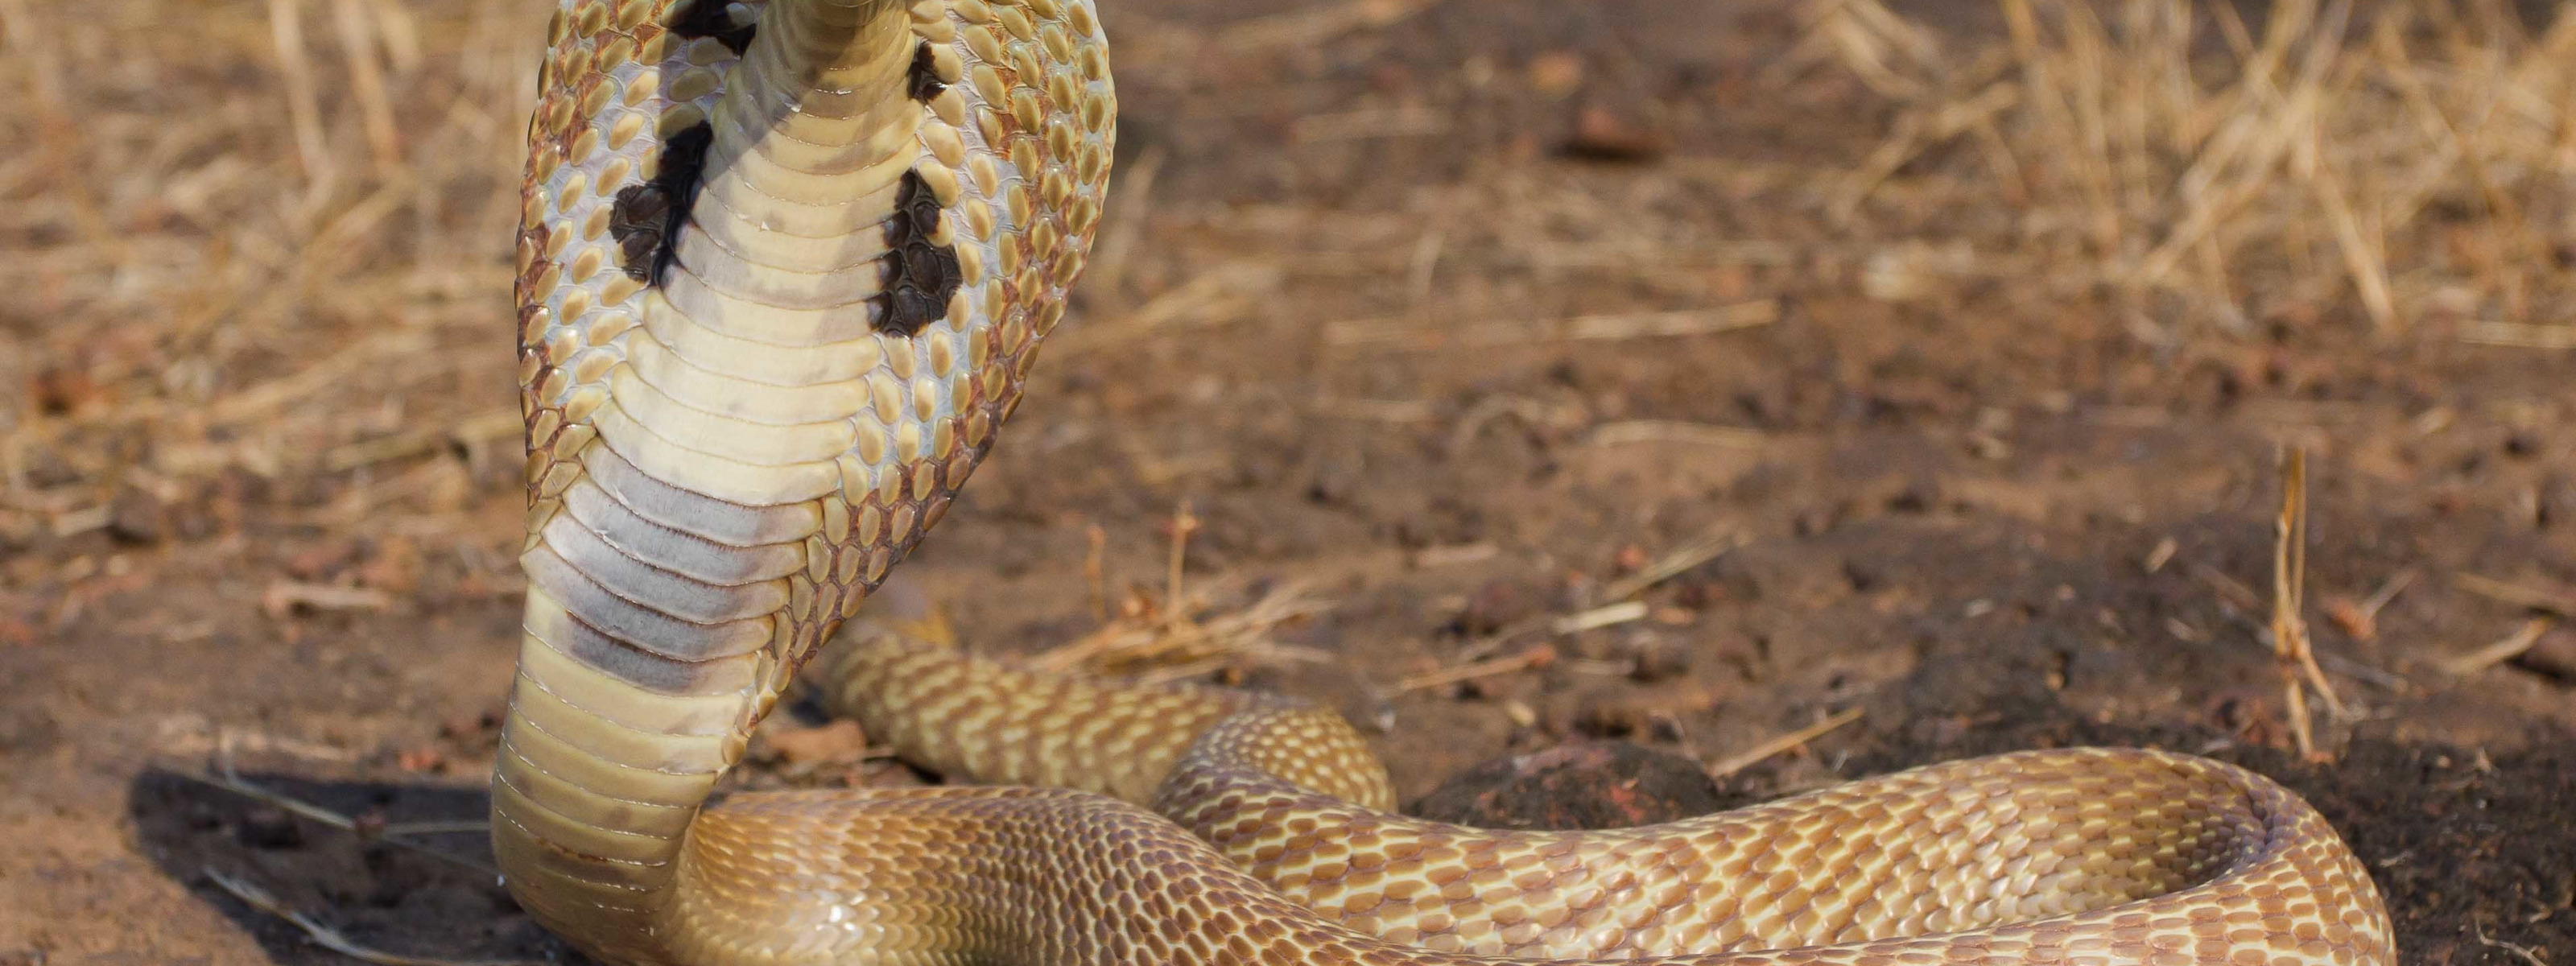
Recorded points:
(215, 219)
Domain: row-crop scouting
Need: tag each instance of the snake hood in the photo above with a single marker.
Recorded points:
(782, 271)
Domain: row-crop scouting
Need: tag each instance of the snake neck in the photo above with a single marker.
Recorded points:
(702, 511)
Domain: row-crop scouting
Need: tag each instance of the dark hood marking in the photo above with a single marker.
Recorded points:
(708, 18)
(646, 221)
(920, 278)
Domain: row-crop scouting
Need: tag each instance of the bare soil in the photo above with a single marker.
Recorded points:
(1372, 305)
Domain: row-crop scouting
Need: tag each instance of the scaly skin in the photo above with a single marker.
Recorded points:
(781, 281)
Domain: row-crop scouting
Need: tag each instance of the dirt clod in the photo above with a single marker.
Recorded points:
(27, 730)
(1654, 657)
(1583, 785)
(2554, 655)
(1500, 603)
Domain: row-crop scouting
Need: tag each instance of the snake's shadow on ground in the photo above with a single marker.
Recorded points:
(378, 894)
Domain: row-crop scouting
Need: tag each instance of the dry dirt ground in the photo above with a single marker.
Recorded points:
(1452, 316)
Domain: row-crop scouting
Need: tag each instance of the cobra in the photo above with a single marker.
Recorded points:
(782, 274)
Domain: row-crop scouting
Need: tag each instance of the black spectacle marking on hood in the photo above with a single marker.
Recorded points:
(647, 218)
(924, 82)
(709, 18)
(920, 277)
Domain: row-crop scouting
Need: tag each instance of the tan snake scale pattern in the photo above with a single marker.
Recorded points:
(783, 269)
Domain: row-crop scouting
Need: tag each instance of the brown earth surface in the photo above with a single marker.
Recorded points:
(1451, 316)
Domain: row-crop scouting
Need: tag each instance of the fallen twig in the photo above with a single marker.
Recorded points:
(2534, 598)
(1169, 639)
(1314, 26)
(1171, 636)
(2517, 335)
(284, 597)
(1184, 523)
(1609, 615)
(390, 834)
(1665, 432)
(1095, 573)
(332, 939)
(1414, 334)
(2501, 651)
(2292, 652)
(1673, 564)
(1758, 753)
(2361, 619)
(2234, 590)
(472, 431)
(1535, 657)
(2528, 954)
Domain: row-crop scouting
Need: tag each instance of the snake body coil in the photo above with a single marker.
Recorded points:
(783, 269)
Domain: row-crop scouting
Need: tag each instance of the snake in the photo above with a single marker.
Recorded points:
(783, 270)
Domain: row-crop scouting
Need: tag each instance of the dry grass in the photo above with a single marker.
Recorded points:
(2409, 162)
(264, 244)
(1187, 631)
(2293, 652)
(230, 215)
(196, 281)
(219, 230)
